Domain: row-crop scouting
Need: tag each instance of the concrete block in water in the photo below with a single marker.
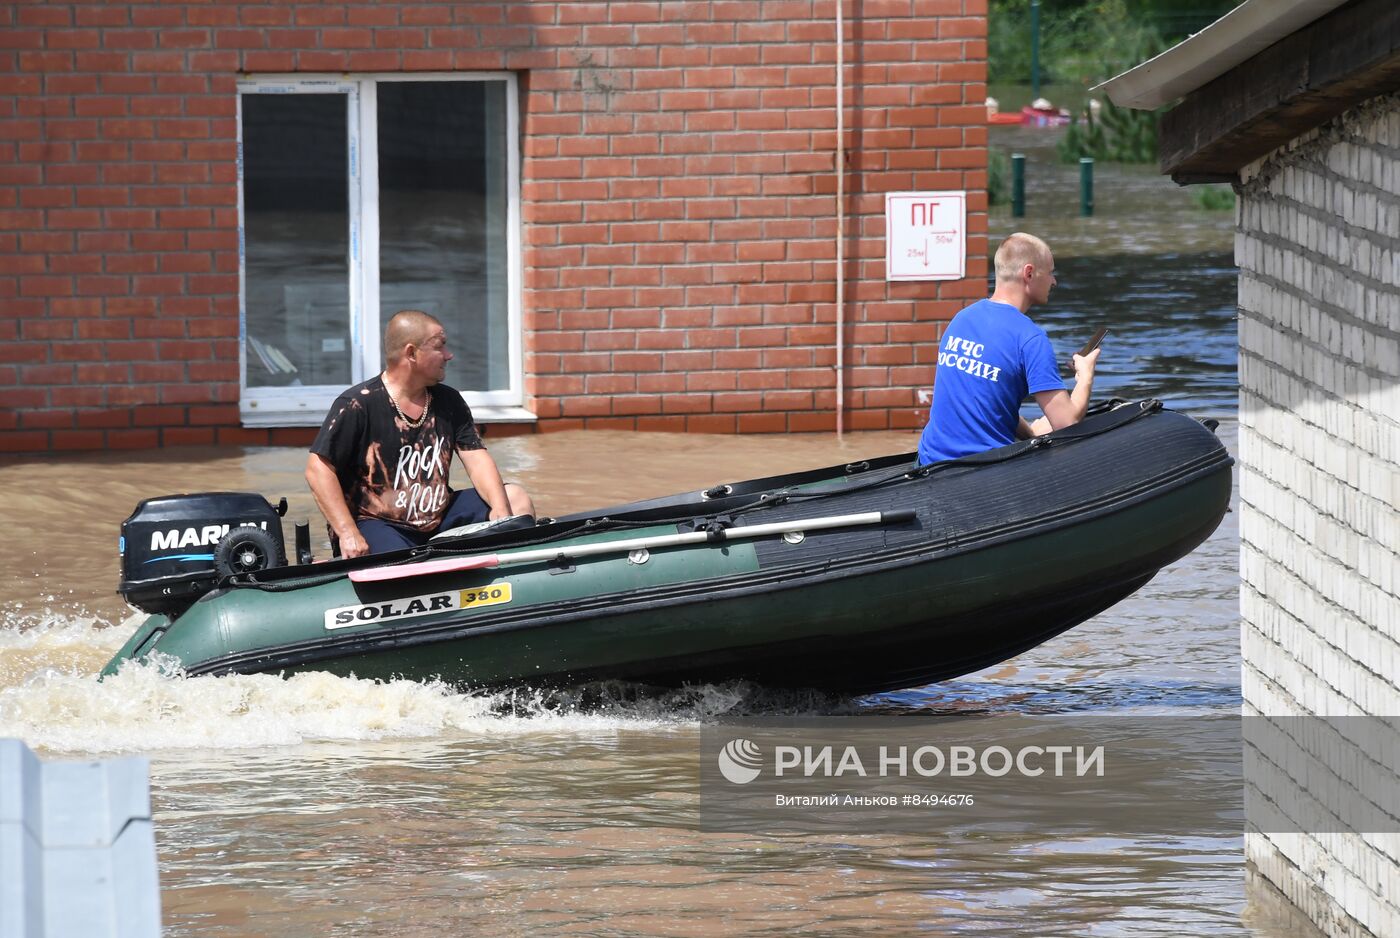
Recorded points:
(77, 848)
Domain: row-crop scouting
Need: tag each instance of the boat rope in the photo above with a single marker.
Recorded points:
(251, 581)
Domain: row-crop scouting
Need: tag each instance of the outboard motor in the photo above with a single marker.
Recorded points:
(176, 548)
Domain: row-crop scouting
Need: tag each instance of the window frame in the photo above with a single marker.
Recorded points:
(307, 406)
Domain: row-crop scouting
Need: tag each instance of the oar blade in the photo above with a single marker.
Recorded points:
(423, 568)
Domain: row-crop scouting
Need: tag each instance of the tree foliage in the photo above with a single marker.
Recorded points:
(1117, 135)
(1086, 42)
(1213, 198)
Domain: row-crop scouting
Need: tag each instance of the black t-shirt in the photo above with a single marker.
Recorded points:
(387, 468)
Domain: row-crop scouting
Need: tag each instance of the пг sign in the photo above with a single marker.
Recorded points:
(925, 235)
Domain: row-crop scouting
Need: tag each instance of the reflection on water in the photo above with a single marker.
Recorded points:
(1171, 321)
(318, 805)
(296, 216)
(440, 195)
(442, 218)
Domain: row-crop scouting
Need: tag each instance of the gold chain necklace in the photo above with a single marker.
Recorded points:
(412, 424)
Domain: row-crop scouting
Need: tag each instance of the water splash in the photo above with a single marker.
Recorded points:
(51, 698)
(47, 639)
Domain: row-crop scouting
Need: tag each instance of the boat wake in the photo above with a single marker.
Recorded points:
(50, 698)
(46, 640)
(700, 703)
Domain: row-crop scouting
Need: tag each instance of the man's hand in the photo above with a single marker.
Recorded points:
(1064, 409)
(486, 479)
(321, 478)
(502, 501)
(1084, 365)
(352, 544)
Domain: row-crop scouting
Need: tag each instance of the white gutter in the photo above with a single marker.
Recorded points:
(1235, 38)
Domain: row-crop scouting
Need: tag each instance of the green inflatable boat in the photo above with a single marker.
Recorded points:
(853, 579)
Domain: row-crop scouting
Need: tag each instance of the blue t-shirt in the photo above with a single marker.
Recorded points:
(991, 357)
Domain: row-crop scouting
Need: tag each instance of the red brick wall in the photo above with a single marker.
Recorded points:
(678, 203)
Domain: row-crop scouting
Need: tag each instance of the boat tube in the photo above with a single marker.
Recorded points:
(854, 579)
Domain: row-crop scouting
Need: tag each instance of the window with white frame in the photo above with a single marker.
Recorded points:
(361, 197)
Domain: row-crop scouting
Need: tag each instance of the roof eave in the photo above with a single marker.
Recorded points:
(1236, 37)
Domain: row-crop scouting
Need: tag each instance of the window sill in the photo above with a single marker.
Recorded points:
(312, 417)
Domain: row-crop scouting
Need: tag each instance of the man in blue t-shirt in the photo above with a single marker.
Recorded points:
(992, 355)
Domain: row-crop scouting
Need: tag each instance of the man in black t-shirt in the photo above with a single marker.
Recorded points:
(380, 465)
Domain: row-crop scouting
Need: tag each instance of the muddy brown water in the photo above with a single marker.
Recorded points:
(318, 805)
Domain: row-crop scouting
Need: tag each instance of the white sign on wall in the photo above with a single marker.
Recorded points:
(925, 235)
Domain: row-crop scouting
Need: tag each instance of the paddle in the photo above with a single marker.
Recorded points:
(713, 536)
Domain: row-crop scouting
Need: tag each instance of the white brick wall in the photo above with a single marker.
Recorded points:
(1318, 244)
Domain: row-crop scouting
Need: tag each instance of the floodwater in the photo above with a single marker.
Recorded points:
(318, 805)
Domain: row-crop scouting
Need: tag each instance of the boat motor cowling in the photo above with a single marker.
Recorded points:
(175, 548)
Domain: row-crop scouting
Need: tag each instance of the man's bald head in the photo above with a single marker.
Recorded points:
(1019, 250)
(407, 327)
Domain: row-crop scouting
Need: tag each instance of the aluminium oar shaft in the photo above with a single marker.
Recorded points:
(627, 545)
(694, 537)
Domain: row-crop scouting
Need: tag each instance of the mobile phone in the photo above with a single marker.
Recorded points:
(1095, 341)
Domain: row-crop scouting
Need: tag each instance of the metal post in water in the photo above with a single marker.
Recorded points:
(1035, 49)
(1018, 185)
(1086, 186)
